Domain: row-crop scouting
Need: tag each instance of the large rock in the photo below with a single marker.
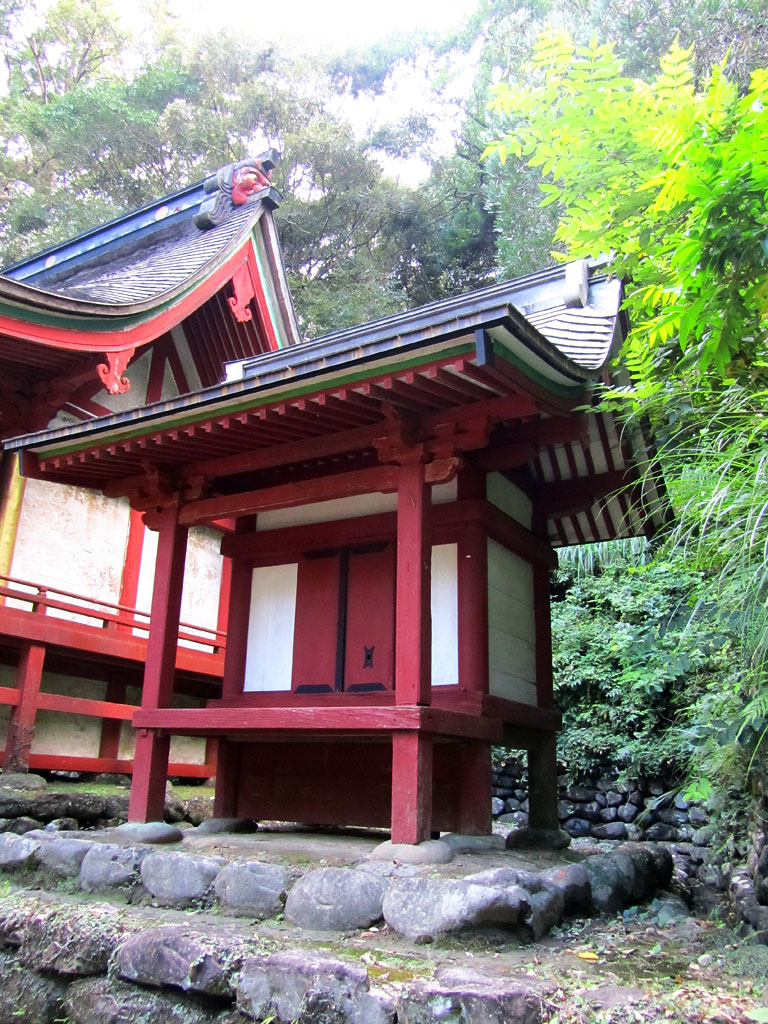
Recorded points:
(542, 903)
(22, 782)
(431, 851)
(64, 856)
(64, 938)
(529, 838)
(423, 908)
(154, 832)
(110, 1001)
(473, 844)
(252, 888)
(17, 852)
(29, 997)
(216, 826)
(109, 866)
(179, 878)
(470, 998)
(615, 880)
(573, 882)
(335, 899)
(20, 826)
(192, 959)
(300, 986)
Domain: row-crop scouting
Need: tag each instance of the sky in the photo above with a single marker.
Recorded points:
(329, 24)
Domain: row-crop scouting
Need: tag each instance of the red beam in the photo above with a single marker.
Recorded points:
(61, 762)
(339, 485)
(350, 719)
(85, 706)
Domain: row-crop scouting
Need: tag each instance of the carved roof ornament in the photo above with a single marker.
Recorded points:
(232, 185)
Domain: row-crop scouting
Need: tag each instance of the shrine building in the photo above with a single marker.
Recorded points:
(380, 510)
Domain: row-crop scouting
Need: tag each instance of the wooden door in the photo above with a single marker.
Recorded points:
(370, 620)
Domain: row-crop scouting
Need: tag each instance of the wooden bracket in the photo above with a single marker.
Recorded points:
(112, 371)
(245, 290)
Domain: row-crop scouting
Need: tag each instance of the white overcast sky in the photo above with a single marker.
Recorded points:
(328, 24)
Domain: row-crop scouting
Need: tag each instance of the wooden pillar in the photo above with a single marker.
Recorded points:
(413, 626)
(411, 787)
(542, 782)
(150, 769)
(473, 781)
(111, 728)
(129, 582)
(227, 778)
(237, 618)
(412, 751)
(21, 729)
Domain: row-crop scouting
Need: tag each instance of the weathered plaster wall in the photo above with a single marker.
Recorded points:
(71, 538)
(202, 577)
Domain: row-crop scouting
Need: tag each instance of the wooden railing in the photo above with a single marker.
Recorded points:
(41, 597)
(76, 610)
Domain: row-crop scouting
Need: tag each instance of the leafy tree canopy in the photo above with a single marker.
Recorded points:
(670, 180)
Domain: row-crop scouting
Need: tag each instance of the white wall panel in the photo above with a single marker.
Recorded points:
(510, 499)
(269, 658)
(511, 628)
(445, 615)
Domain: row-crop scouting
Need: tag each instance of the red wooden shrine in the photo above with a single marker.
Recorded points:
(390, 499)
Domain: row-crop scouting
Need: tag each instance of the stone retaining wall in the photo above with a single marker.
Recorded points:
(599, 806)
(108, 963)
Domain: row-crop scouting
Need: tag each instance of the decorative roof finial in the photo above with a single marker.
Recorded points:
(232, 185)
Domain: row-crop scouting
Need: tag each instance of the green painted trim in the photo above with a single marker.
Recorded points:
(256, 402)
(268, 293)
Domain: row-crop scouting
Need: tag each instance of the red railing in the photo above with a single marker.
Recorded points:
(106, 614)
(64, 605)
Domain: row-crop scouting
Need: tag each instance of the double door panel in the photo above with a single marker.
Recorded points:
(345, 621)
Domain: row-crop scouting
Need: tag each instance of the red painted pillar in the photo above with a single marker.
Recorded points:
(129, 583)
(21, 729)
(111, 728)
(473, 781)
(238, 614)
(412, 751)
(150, 769)
(413, 624)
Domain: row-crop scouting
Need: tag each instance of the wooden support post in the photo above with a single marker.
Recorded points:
(413, 630)
(150, 769)
(411, 787)
(21, 729)
(473, 608)
(111, 728)
(542, 782)
(227, 777)
(129, 583)
(473, 781)
(542, 612)
(238, 612)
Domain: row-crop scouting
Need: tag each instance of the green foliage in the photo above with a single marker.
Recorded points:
(671, 180)
(634, 652)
